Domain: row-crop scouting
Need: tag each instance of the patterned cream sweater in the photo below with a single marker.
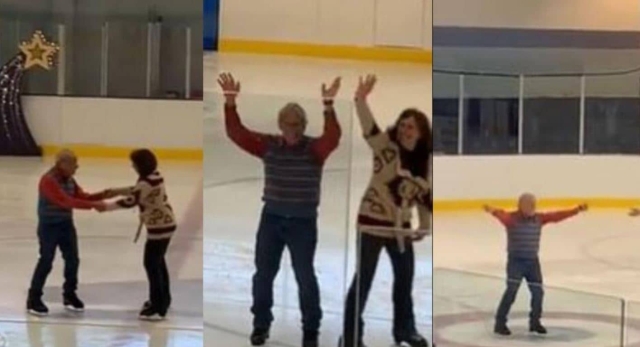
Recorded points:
(390, 186)
(150, 196)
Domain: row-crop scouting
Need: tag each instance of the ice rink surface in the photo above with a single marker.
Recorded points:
(590, 264)
(112, 279)
(233, 183)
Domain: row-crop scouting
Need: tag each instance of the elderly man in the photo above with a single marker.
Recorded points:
(59, 195)
(293, 171)
(524, 227)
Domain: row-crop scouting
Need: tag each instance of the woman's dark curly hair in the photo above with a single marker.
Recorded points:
(144, 161)
(416, 161)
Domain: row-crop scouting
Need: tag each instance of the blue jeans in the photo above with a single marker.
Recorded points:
(300, 236)
(50, 237)
(403, 265)
(518, 269)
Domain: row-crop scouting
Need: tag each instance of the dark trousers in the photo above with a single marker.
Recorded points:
(517, 269)
(300, 236)
(50, 237)
(157, 274)
(403, 271)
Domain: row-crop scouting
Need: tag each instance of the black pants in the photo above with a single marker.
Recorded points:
(157, 274)
(300, 236)
(50, 237)
(517, 269)
(403, 271)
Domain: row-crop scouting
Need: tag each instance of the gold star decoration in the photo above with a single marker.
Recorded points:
(39, 51)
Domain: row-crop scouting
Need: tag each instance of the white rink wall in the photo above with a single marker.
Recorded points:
(618, 15)
(561, 176)
(166, 124)
(330, 22)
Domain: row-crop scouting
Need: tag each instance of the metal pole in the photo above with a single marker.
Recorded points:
(104, 61)
(460, 114)
(149, 52)
(187, 77)
(623, 331)
(62, 64)
(583, 85)
(521, 115)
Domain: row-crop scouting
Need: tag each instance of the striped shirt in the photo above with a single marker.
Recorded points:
(293, 173)
(524, 232)
(292, 178)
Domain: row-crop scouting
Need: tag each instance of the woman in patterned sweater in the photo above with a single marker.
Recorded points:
(157, 216)
(399, 184)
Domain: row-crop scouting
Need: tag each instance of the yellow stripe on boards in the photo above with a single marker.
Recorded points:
(409, 55)
(97, 151)
(477, 204)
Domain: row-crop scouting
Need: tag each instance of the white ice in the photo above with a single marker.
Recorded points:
(112, 279)
(590, 264)
(233, 190)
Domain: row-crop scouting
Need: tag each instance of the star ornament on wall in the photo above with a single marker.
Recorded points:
(38, 51)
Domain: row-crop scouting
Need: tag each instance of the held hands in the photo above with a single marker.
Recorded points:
(331, 92)
(365, 86)
(230, 87)
(108, 194)
(100, 206)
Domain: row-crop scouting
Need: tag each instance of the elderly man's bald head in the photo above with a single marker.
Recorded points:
(527, 204)
(66, 162)
(65, 155)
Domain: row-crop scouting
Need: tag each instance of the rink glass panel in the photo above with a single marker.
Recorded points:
(561, 113)
(490, 115)
(465, 305)
(446, 108)
(127, 60)
(551, 115)
(632, 324)
(112, 58)
(232, 201)
(14, 31)
(612, 106)
(83, 67)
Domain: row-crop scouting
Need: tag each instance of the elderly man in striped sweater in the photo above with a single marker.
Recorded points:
(58, 195)
(293, 165)
(524, 228)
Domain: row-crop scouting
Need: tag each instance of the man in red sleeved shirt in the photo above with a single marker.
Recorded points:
(59, 195)
(524, 228)
(293, 164)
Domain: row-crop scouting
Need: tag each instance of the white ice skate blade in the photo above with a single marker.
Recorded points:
(73, 309)
(37, 314)
(152, 318)
(537, 334)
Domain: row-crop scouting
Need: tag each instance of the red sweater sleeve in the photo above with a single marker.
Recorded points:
(328, 142)
(558, 216)
(506, 218)
(249, 141)
(81, 194)
(54, 193)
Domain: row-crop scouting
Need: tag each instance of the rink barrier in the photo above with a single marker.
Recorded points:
(109, 152)
(410, 55)
(477, 204)
(463, 297)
